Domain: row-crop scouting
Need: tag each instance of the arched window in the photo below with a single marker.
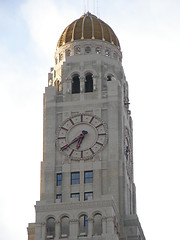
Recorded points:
(109, 77)
(83, 225)
(89, 83)
(97, 225)
(50, 228)
(64, 226)
(75, 84)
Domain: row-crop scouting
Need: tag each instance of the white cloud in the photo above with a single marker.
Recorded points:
(46, 22)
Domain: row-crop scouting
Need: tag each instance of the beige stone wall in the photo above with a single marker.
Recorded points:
(31, 231)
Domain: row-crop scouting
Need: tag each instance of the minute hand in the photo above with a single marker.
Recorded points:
(73, 141)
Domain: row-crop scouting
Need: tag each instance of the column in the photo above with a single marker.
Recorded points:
(82, 79)
(73, 228)
(90, 227)
(43, 231)
(57, 230)
(94, 82)
(103, 225)
(110, 225)
(38, 231)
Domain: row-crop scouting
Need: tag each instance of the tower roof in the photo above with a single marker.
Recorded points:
(88, 26)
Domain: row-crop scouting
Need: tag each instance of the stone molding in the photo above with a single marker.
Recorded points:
(75, 205)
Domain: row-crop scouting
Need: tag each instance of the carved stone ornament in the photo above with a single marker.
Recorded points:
(128, 153)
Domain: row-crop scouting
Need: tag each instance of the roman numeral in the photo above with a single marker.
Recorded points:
(71, 121)
(61, 137)
(91, 150)
(91, 120)
(99, 125)
(64, 128)
(99, 143)
(81, 118)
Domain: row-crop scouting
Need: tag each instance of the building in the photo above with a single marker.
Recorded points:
(87, 185)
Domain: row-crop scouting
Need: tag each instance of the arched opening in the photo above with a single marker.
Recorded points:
(50, 228)
(97, 225)
(75, 84)
(109, 77)
(89, 82)
(64, 226)
(83, 225)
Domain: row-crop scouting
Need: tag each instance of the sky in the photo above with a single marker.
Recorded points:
(149, 34)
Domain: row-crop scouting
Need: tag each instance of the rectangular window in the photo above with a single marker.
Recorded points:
(59, 197)
(88, 177)
(75, 196)
(75, 177)
(88, 196)
(59, 179)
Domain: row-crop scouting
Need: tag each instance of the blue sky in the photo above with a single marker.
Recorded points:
(149, 34)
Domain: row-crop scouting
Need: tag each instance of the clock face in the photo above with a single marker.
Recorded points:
(81, 136)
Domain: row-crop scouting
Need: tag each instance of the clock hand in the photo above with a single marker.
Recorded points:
(75, 139)
(68, 144)
(79, 142)
(81, 138)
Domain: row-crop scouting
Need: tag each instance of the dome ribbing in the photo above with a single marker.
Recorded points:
(88, 26)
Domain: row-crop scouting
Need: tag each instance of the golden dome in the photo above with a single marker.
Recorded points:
(88, 26)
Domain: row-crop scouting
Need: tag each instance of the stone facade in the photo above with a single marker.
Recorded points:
(87, 190)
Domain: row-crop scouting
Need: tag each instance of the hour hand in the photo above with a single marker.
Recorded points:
(84, 132)
(78, 138)
(79, 142)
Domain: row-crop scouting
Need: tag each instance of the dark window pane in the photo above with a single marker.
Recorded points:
(89, 83)
(75, 178)
(75, 196)
(59, 179)
(50, 227)
(59, 196)
(109, 78)
(64, 227)
(76, 84)
(83, 225)
(88, 196)
(86, 221)
(88, 177)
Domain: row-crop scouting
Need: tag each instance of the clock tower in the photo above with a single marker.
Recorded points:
(87, 184)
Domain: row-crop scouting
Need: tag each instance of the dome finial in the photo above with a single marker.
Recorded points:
(91, 7)
(86, 6)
